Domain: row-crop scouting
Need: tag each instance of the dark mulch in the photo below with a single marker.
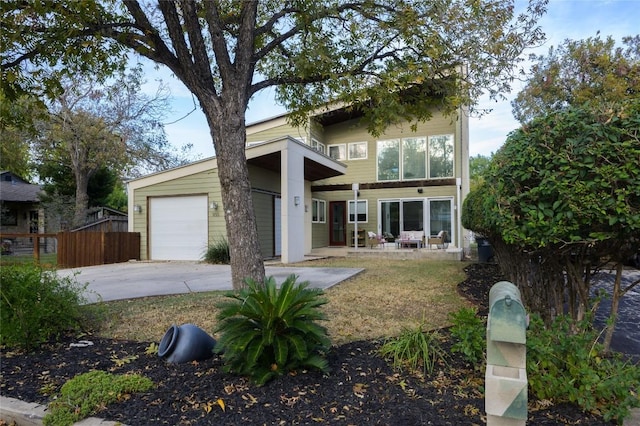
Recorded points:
(361, 389)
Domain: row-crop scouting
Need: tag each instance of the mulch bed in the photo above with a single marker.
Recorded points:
(361, 389)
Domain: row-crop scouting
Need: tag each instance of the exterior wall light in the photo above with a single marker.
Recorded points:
(137, 208)
(296, 200)
(213, 205)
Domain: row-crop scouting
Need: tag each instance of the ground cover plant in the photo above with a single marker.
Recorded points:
(360, 388)
(87, 393)
(36, 305)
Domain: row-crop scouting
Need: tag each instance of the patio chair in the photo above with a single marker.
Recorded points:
(374, 239)
(439, 240)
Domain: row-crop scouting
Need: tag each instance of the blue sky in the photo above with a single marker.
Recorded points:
(565, 19)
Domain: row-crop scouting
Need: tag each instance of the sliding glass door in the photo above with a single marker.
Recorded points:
(430, 215)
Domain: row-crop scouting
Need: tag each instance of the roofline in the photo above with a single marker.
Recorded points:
(253, 151)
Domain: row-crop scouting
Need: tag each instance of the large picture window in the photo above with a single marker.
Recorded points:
(318, 211)
(414, 154)
(415, 158)
(361, 211)
(441, 156)
(389, 160)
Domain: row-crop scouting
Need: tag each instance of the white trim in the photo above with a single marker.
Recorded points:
(366, 153)
(322, 213)
(344, 150)
(366, 211)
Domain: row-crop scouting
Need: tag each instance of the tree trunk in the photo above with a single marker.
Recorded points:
(615, 302)
(229, 137)
(82, 200)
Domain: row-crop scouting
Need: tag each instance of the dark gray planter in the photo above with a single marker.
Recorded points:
(185, 343)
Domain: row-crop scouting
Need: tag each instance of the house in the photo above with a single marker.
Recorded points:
(20, 205)
(311, 185)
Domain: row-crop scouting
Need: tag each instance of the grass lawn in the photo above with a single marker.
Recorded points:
(388, 296)
(48, 259)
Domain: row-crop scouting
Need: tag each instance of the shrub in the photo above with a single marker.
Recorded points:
(414, 349)
(87, 393)
(469, 335)
(565, 363)
(266, 331)
(218, 252)
(36, 304)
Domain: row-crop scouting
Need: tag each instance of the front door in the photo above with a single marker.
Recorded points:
(337, 223)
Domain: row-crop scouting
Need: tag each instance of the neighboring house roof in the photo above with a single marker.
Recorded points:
(14, 188)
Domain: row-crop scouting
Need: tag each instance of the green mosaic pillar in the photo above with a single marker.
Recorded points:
(506, 374)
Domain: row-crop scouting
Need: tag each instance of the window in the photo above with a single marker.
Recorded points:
(388, 160)
(441, 156)
(338, 152)
(9, 217)
(318, 211)
(406, 159)
(358, 151)
(440, 216)
(362, 211)
(318, 146)
(414, 152)
(429, 214)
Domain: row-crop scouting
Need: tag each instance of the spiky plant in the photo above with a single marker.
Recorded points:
(265, 332)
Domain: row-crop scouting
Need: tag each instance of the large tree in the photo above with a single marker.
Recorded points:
(312, 52)
(92, 127)
(580, 71)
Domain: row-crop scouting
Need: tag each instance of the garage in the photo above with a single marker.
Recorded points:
(178, 227)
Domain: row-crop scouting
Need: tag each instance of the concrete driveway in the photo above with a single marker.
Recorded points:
(140, 279)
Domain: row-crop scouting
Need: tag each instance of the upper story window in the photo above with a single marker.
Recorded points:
(441, 156)
(338, 152)
(318, 146)
(415, 158)
(358, 151)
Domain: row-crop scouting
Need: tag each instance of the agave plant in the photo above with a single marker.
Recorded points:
(265, 331)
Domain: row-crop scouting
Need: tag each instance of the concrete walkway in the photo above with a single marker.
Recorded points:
(141, 279)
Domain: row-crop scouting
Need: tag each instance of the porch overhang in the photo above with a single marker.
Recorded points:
(268, 155)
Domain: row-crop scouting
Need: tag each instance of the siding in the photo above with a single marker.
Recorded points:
(263, 207)
(198, 183)
(276, 132)
(372, 197)
(366, 170)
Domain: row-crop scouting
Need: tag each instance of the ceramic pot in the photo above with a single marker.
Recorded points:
(185, 343)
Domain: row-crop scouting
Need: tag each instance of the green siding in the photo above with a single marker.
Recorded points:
(198, 183)
(264, 180)
(277, 132)
(263, 207)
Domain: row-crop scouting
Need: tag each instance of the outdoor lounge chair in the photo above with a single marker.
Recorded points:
(439, 240)
(373, 239)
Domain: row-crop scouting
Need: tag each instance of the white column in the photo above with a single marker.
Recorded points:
(293, 199)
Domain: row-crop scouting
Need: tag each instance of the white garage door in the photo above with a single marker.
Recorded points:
(178, 227)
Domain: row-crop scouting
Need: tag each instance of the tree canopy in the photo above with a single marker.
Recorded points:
(91, 127)
(311, 52)
(580, 71)
(561, 194)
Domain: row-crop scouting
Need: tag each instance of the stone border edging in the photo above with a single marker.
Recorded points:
(31, 414)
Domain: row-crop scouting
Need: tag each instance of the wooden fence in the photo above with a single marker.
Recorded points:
(25, 244)
(76, 249)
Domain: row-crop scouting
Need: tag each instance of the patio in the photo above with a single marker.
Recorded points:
(389, 250)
